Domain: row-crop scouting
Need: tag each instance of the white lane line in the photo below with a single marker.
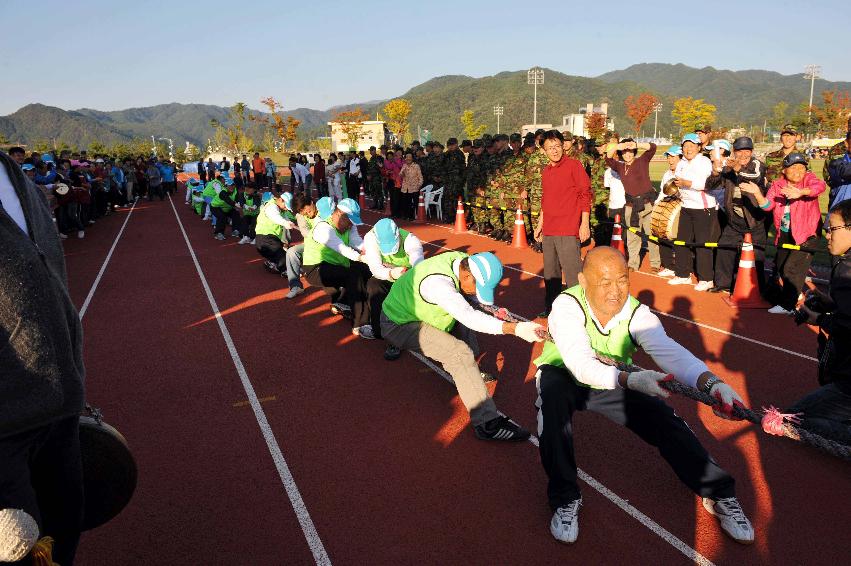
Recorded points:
(91, 294)
(652, 525)
(307, 526)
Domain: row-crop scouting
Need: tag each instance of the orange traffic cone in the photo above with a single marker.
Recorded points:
(460, 218)
(518, 239)
(421, 215)
(746, 292)
(362, 199)
(617, 236)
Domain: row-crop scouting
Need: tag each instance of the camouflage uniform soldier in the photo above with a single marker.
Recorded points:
(453, 178)
(514, 193)
(534, 167)
(600, 212)
(374, 182)
(477, 181)
(427, 163)
(774, 159)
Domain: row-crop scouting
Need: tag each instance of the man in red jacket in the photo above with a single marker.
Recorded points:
(564, 221)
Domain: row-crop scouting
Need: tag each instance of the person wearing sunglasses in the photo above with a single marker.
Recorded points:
(794, 201)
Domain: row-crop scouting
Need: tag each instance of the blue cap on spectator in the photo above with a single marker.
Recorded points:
(674, 150)
(487, 271)
(228, 181)
(27, 167)
(267, 196)
(352, 210)
(288, 200)
(693, 138)
(720, 144)
(324, 207)
(47, 158)
(194, 181)
(387, 234)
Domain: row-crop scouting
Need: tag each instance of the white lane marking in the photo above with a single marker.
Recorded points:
(652, 525)
(307, 526)
(91, 294)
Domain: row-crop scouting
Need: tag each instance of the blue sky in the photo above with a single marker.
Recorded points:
(114, 55)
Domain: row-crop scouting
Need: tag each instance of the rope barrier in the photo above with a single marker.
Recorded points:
(783, 424)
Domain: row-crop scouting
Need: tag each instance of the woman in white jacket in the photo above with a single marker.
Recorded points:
(333, 171)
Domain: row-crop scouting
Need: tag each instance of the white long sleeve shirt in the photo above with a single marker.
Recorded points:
(617, 194)
(413, 249)
(697, 171)
(567, 327)
(324, 234)
(274, 214)
(440, 290)
(300, 171)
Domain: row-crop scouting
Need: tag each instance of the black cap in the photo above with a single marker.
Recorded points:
(743, 142)
(529, 141)
(437, 144)
(795, 158)
(515, 137)
(488, 142)
(477, 143)
(429, 144)
(487, 137)
(452, 141)
(466, 143)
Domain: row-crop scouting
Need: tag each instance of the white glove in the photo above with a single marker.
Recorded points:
(728, 397)
(397, 272)
(647, 382)
(529, 331)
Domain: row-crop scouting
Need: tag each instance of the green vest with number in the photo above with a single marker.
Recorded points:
(219, 203)
(400, 258)
(616, 344)
(405, 304)
(316, 253)
(265, 225)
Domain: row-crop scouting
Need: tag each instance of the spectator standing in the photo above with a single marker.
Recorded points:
(334, 171)
(617, 200)
(225, 165)
(319, 175)
(211, 169)
(130, 180)
(245, 167)
(258, 167)
(839, 175)
(155, 181)
(392, 168)
(168, 176)
(411, 180)
(353, 175)
(669, 190)
(271, 173)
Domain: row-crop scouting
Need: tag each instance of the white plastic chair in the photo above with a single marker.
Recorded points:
(435, 198)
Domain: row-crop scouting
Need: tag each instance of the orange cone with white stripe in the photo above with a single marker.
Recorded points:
(746, 292)
(518, 239)
(617, 236)
(460, 218)
(362, 198)
(421, 216)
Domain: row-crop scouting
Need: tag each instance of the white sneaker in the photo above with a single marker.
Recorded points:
(81, 234)
(63, 236)
(733, 521)
(666, 272)
(680, 281)
(295, 292)
(704, 285)
(220, 236)
(253, 243)
(364, 331)
(777, 309)
(244, 240)
(564, 525)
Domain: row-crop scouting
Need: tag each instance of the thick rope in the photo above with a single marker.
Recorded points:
(771, 420)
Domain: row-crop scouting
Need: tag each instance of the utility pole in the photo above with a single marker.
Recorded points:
(656, 108)
(498, 111)
(811, 72)
(535, 76)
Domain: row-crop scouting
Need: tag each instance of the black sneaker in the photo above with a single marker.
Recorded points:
(392, 353)
(718, 289)
(501, 428)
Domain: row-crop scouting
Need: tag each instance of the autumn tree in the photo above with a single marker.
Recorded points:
(470, 129)
(233, 136)
(639, 108)
(596, 124)
(398, 111)
(290, 133)
(834, 112)
(690, 112)
(351, 124)
(97, 148)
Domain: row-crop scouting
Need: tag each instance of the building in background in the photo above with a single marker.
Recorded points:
(372, 132)
(575, 123)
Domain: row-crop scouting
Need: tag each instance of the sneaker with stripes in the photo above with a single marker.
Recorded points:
(732, 518)
(564, 526)
(501, 428)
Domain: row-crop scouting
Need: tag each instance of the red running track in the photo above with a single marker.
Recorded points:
(382, 453)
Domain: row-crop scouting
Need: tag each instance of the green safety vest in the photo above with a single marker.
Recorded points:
(249, 201)
(219, 203)
(400, 258)
(212, 188)
(265, 226)
(617, 344)
(316, 253)
(404, 303)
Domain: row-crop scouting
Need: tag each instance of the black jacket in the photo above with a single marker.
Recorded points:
(41, 339)
(835, 353)
(728, 179)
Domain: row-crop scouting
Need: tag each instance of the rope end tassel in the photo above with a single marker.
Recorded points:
(774, 422)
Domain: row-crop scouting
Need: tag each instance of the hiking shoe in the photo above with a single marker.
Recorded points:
(564, 525)
(271, 266)
(295, 292)
(777, 309)
(220, 236)
(81, 234)
(703, 285)
(340, 309)
(733, 521)
(666, 272)
(364, 331)
(501, 428)
(244, 240)
(392, 353)
(680, 281)
(487, 377)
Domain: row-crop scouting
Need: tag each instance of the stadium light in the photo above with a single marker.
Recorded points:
(656, 108)
(535, 76)
(811, 72)
(498, 111)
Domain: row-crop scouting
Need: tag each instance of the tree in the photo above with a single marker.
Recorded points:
(232, 137)
(638, 108)
(351, 124)
(470, 129)
(290, 133)
(398, 111)
(321, 145)
(595, 123)
(691, 112)
(778, 115)
(834, 112)
(97, 148)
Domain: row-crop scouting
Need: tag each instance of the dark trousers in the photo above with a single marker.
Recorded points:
(272, 249)
(559, 396)
(827, 411)
(322, 187)
(732, 235)
(377, 290)
(68, 217)
(352, 186)
(249, 222)
(696, 225)
(260, 180)
(222, 218)
(352, 280)
(408, 203)
(666, 254)
(41, 473)
(156, 191)
(791, 266)
(169, 187)
(561, 257)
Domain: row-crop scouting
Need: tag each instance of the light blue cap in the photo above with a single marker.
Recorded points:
(27, 167)
(674, 150)
(324, 207)
(228, 181)
(267, 196)
(288, 200)
(387, 234)
(352, 210)
(194, 181)
(47, 158)
(693, 138)
(723, 144)
(487, 271)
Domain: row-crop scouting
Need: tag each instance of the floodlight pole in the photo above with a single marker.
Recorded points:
(656, 109)
(535, 76)
(498, 111)
(811, 72)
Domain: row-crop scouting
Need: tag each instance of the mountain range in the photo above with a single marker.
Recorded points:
(741, 97)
